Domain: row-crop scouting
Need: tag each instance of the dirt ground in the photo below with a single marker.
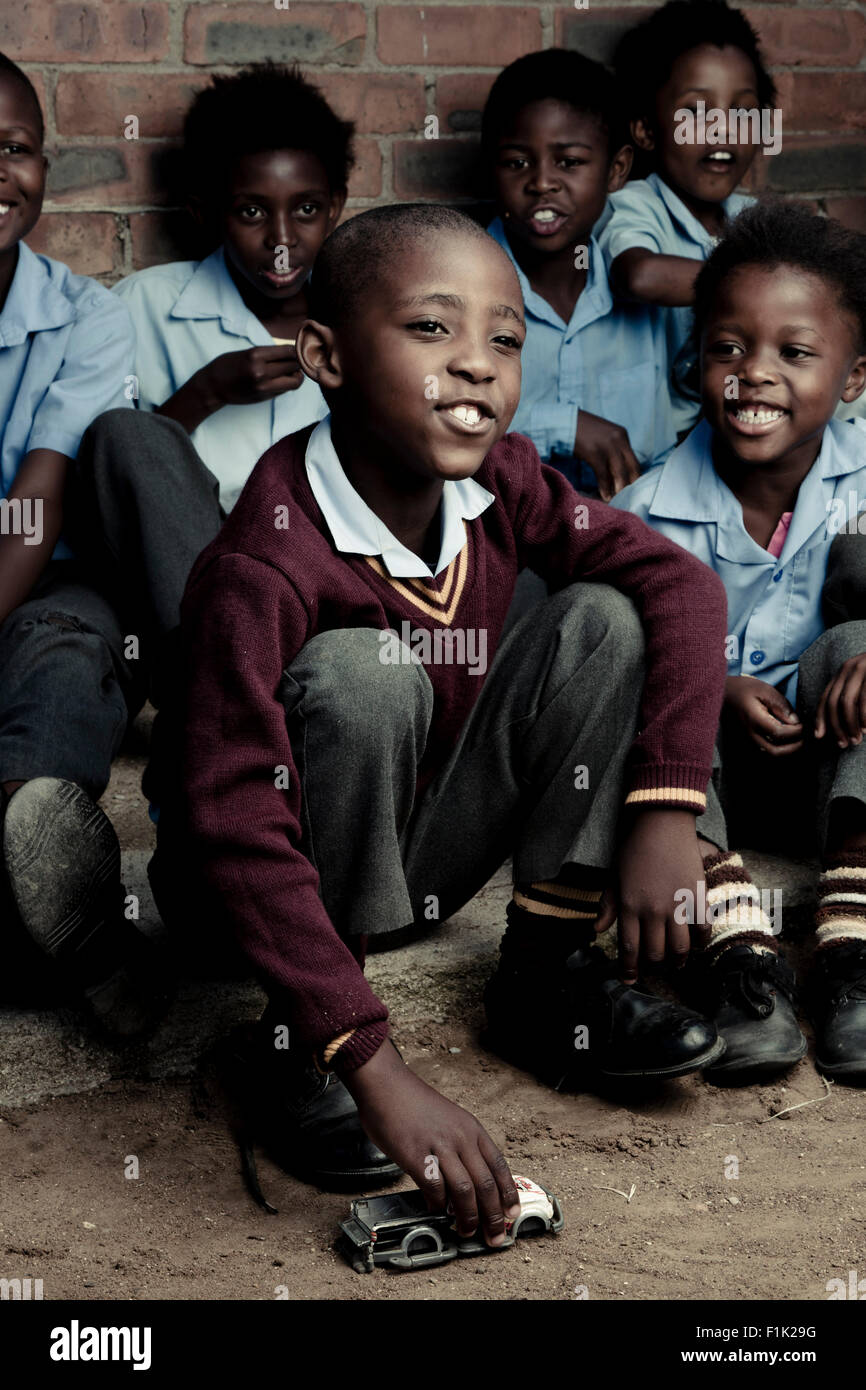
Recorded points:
(728, 1203)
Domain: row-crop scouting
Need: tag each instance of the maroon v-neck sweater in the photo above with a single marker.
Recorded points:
(262, 590)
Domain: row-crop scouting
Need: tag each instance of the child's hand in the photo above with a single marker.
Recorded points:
(251, 375)
(843, 704)
(606, 448)
(437, 1143)
(766, 714)
(659, 858)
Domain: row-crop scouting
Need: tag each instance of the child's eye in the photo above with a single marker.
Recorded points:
(427, 325)
(13, 148)
(570, 161)
(250, 211)
(797, 353)
(514, 163)
(310, 209)
(508, 340)
(725, 349)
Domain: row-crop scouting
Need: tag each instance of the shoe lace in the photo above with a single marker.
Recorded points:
(754, 983)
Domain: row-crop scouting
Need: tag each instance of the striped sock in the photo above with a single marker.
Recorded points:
(738, 916)
(841, 914)
(556, 914)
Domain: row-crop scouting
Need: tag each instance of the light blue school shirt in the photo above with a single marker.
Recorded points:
(66, 352)
(187, 313)
(647, 213)
(608, 359)
(356, 528)
(774, 605)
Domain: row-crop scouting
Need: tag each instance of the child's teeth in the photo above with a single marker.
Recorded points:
(758, 417)
(546, 215)
(469, 414)
(4, 207)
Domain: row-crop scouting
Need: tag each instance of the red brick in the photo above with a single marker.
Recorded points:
(98, 31)
(366, 177)
(379, 103)
(831, 101)
(456, 35)
(85, 241)
(248, 33)
(446, 169)
(89, 103)
(115, 174)
(158, 237)
(460, 99)
(851, 211)
(596, 32)
(813, 38)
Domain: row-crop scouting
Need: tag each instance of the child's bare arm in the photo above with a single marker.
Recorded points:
(38, 487)
(653, 278)
(235, 378)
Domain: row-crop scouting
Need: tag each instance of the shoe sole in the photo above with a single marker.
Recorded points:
(53, 825)
(547, 1075)
(739, 1074)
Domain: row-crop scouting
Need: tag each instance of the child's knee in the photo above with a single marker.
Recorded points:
(607, 617)
(362, 678)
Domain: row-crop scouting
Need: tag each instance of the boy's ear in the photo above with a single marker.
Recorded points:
(318, 354)
(856, 381)
(620, 168)
(642, 134)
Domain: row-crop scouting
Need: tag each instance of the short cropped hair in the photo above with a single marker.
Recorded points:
(355, 256)
(645, 55)
(777, 233)
(12, 70)
(553, 74)
(264, 107)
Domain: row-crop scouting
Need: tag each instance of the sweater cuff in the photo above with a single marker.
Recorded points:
(679, 786)
(359, 1047)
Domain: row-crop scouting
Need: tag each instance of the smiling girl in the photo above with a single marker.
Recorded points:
(755, 492)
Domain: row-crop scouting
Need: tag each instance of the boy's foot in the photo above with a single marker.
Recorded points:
(838, 992)
(567, 1022)
(63, 865)
(307, 1120)
(749, 994)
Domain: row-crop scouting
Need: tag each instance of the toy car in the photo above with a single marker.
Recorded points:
(397, 1230)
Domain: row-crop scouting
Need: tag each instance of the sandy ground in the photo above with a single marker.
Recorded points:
(792, 1218)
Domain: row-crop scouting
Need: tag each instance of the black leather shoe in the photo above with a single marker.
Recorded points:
(569, 1022)
(838, 998)
(749, 995)
(306, 1120)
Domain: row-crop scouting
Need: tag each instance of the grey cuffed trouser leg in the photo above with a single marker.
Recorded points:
(65, 685)
(559, 707)
(146, 506)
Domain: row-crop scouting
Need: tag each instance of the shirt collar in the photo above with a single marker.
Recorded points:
(33, 302)
(211, 293)
(595, 300)
(686, 219)
(356, 528)
(689, 489)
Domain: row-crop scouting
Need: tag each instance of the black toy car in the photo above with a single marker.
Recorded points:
(397, 1230)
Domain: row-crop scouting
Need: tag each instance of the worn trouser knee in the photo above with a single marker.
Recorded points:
(352, 684)
(821, 662)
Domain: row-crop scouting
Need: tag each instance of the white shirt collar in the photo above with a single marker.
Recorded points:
(356, 528)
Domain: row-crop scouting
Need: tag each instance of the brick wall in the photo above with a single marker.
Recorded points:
(385, 65)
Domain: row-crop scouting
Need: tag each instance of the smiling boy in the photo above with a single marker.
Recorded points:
(328, 795)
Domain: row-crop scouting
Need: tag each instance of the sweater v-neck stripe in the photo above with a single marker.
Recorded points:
(442, 605)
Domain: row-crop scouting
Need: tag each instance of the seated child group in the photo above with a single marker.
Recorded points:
(287, 492)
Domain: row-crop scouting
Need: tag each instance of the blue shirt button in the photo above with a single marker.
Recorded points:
(777, 576)
(757, 657)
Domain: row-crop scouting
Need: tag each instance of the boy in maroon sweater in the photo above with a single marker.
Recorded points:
(350, 759)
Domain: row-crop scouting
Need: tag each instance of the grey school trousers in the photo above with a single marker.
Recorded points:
(538, 771)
